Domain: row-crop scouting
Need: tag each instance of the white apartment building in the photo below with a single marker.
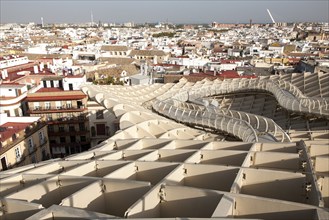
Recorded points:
(12, 60)
(12, 95)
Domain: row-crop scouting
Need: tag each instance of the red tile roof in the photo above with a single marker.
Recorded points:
(234, 74)
(14, 76)
(11, 83)
(11, 128)
(224, 74)
(54, 98)
(50, 90)
(55, 94)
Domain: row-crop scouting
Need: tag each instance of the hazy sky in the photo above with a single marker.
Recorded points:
(232, 11)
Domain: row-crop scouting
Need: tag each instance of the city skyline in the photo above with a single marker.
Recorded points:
(161, 11)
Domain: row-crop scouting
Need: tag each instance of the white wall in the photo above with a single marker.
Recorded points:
(4, 119)
(76, 82)
(8, 92)
(13, 62)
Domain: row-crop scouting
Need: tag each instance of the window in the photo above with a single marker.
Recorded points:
(93, 131)
(83, 138)
(30, 144)
(49, 117)
(18, 154)
(14, 136)
(72, 139)
(7, 112)
(100, 129)
(69, 115)
(59, 115)
(68, 104)
(79, 104)
(99, 114)
(44, 155)
(82, 127)
(71, 128)
(81, 117)
(4, 163)
(36, 105)
(61, 128)
(41, 137)
(33, 160)
(58, 104)
(62, 140)
(51, 128)
(47, 105)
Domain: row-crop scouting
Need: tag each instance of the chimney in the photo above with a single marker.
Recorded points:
(155, 60)
(3, 75)
(42, 65)
(50, 67)
(35, 69)
(6, 72)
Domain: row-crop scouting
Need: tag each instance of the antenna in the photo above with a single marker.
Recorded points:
(41, 21)
(268, 11)
(92, 18)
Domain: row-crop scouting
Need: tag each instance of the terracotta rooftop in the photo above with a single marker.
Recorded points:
(147, 53)
(10, 128)
(50, 90)
(13, 75)
(224, 74)
(114, 48)
(54, 94)
(50, 56)
(117, 60)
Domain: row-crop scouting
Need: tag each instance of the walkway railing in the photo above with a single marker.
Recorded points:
(236, 127)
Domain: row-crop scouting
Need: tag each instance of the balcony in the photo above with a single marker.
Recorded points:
(66, 132)
(69, 144)
(68, 120)
(51, 109)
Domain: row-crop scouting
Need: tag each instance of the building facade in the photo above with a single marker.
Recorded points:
(12, 95)
(101, 123)
(23, 141)
(66, 115)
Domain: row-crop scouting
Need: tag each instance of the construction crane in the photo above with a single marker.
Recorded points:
(268, 11)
